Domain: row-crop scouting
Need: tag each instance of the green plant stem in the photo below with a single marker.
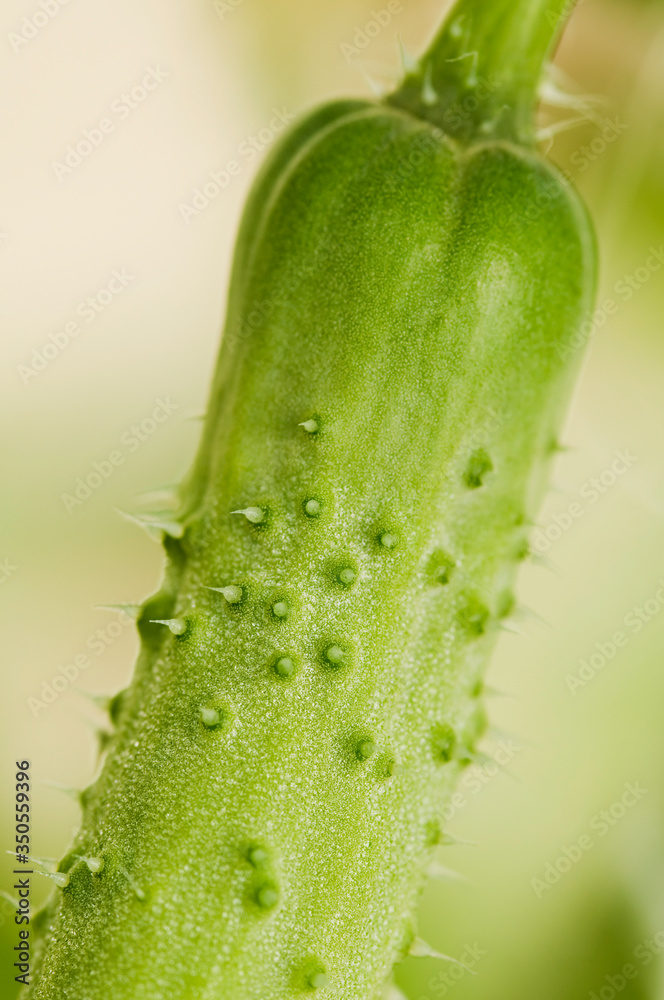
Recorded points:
(480, 75)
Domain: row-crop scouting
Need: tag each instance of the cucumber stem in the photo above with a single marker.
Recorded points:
(480, 75)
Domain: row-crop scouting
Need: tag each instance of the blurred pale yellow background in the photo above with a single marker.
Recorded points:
(112, 228)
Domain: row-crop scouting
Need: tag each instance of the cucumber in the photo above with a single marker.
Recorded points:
(390, 387)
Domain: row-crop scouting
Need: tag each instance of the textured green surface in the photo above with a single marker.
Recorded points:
(272, 794)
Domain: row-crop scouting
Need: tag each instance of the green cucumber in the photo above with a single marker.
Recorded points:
(391, 382)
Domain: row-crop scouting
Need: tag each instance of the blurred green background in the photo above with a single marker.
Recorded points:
(220, 70)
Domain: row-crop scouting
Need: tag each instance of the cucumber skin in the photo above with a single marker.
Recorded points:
(410, 306)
